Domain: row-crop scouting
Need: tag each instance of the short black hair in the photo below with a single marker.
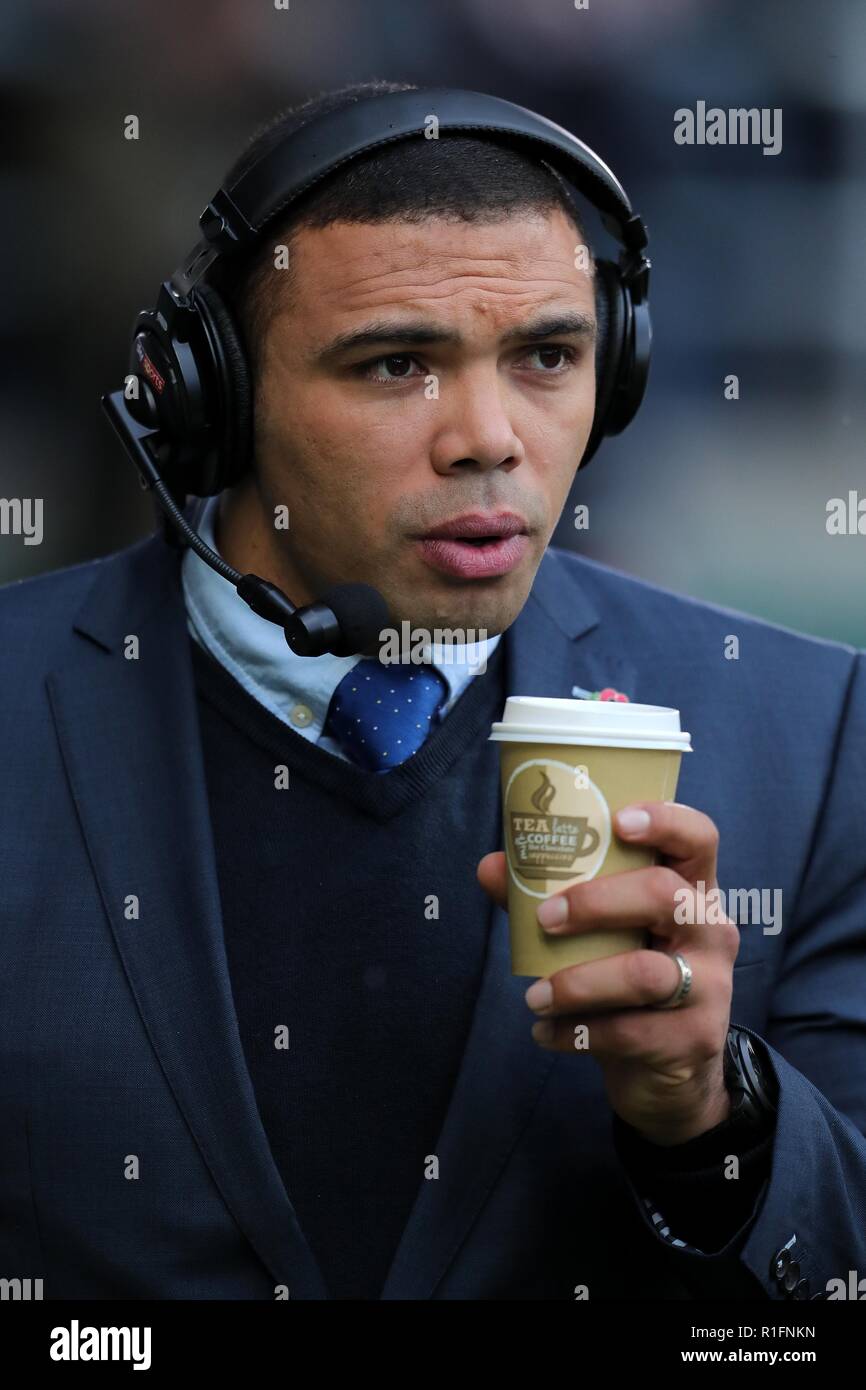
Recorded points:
(457, 177)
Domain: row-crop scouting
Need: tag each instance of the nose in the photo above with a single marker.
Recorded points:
(475, 430)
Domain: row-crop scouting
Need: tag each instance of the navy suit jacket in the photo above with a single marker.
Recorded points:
(118, 1037)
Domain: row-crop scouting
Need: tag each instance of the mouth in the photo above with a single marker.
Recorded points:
(476, 546)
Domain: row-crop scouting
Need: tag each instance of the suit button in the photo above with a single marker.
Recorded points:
(790, 1277)
(780, 1262)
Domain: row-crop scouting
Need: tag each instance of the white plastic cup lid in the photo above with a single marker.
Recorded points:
(599, 723)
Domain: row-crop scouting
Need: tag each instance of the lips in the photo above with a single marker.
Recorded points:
(476, 546)
(478, 526)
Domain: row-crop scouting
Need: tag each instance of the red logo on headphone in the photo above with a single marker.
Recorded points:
(151, 372)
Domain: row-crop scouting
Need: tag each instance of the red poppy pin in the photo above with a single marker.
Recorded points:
(607, 694)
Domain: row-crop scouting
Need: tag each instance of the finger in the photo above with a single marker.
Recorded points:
(628, 980)
(654, 898)
(688, 839)
(492, 874)
(633, 1035)
(631, 900)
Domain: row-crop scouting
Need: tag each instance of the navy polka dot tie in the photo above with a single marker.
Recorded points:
(380, 715)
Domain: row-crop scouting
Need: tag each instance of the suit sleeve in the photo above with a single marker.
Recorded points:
(687, 1190)
(807, 1231)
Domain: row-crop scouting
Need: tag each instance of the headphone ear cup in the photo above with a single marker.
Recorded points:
(611, 318)
(233, 420)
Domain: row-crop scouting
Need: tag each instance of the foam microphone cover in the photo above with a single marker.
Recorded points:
(361, 612)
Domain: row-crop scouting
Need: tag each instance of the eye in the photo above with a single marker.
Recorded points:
(397, 365)
(556, 359)
(548, 350)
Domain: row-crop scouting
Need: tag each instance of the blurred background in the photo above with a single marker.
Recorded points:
(759, 261)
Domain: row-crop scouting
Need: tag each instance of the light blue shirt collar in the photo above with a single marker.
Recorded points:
(297, 689)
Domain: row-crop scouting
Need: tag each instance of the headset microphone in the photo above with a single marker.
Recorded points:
(348, 618)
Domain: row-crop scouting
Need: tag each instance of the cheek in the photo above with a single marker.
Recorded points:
(324, 425)
(553, 440)
(574, 426)
(579, 403)
(559, 414)
(333, 471)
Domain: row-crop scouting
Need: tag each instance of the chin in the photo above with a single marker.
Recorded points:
(427, 600)
(482, 617)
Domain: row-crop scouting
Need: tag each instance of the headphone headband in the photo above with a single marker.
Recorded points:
(236, 217)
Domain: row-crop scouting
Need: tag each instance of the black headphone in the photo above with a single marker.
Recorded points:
(185, 414)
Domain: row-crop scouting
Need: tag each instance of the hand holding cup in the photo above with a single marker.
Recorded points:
(663, 1067)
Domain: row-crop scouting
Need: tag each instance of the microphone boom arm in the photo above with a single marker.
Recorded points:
(309, 631)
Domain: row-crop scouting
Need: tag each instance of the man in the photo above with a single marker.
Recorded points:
(260, 1037)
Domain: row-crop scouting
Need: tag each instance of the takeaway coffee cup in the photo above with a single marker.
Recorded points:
(567, 767)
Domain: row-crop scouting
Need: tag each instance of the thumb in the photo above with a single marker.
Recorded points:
(493, 877)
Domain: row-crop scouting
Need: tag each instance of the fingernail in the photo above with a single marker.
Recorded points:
(553, 912)
(633, 821)
(540, 995)
(543, 1032)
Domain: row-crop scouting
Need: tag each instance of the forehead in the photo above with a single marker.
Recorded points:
(499, 266)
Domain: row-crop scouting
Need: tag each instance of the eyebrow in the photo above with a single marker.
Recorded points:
(572, 323)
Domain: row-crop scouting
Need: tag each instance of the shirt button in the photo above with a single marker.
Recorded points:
(301, 716)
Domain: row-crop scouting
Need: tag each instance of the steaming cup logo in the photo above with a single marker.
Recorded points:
(557, 826)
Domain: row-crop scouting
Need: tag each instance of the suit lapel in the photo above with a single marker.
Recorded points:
(128, 730)
(555, 643)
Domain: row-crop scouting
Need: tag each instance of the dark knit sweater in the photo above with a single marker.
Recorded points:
(353, 919)
(352, 916)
